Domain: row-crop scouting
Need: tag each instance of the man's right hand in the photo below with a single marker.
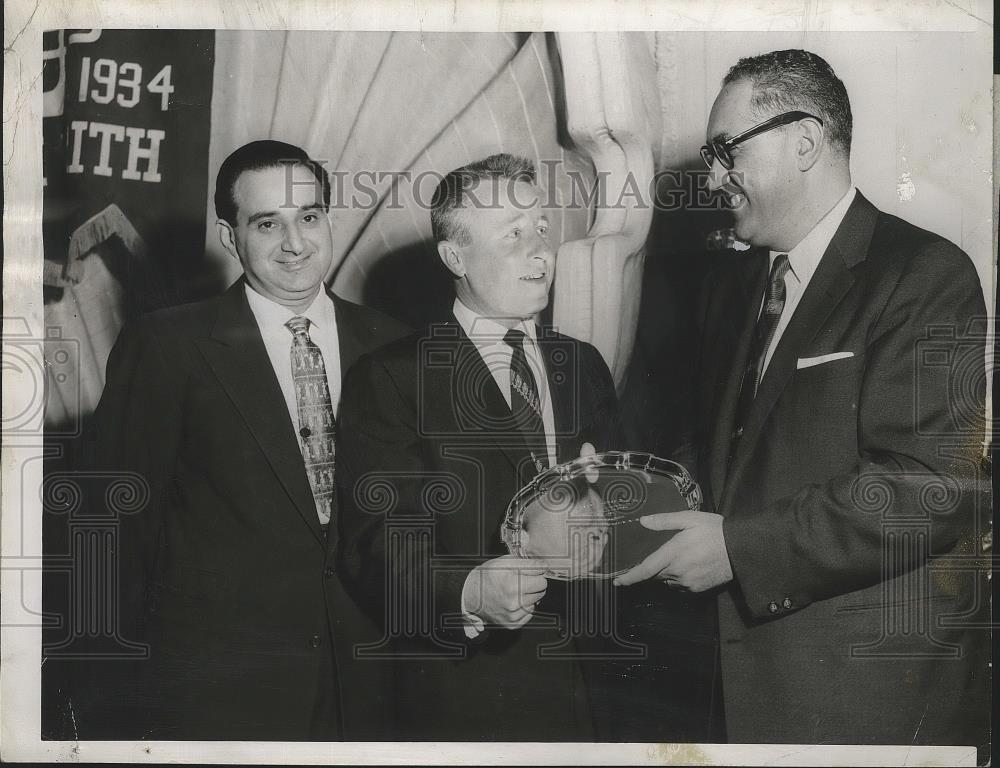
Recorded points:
(504, 591)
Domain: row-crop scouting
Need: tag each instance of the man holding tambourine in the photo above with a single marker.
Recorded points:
(440, 431)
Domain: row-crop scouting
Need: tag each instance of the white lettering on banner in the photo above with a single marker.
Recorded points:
(52, 99)
(131, 83)
(135, 137)
(77, 127)
(106, 75)
(161, 85)
(106, 132)
(90, 36)
(84, 78)
(150, 154)
(119, 83)
(124, 80)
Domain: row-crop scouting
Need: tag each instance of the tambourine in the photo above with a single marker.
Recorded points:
(581, 518)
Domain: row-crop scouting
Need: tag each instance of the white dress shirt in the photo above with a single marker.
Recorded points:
(803, 259)
(271, 318)
(488, 335)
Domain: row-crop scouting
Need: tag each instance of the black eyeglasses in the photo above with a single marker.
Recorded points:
(720, 149)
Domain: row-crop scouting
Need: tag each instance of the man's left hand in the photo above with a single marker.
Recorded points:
(695, 559)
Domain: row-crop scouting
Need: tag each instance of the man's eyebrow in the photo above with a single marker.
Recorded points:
(269, 214)
(260, 215)
(513, 217)
(722, 137)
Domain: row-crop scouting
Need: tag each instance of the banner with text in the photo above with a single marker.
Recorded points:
(126, 127)
(125, 148)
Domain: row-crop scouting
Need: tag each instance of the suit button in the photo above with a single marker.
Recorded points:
(305, 432)
(315, 641)
(329, 572)
(787, 603)
(772, 607)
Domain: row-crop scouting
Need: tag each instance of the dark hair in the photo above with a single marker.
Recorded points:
(257, 156)
(794, 79)
(451, 191)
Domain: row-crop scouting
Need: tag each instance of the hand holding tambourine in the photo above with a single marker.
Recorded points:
(581, 518)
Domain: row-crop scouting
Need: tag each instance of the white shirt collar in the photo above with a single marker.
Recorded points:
(272, 314)
(483, 331)
(805, 257)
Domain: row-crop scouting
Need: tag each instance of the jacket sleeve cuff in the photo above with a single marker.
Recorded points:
(762, 568)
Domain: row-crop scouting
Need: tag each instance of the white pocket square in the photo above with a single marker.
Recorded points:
(809, 362)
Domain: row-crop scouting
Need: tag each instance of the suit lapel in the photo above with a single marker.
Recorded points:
(473, 384)
(753, 275)
(351, 334)
(236, 354)
(560, 387)
(829, 284)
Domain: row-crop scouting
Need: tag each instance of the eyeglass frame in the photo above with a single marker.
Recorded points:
(719, 150)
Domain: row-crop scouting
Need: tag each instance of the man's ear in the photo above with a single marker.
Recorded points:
(451, 257)
(227, 237)
(811, 143)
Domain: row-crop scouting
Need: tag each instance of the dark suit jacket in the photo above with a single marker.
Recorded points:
(850, 474)
(225, 572)
(431, 459)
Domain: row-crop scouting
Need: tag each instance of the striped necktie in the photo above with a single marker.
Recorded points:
(525, 404)
(767, 324)
(317, 428)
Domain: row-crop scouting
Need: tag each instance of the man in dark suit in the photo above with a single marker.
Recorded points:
(225, 409)
(841, 462)
(441, 430)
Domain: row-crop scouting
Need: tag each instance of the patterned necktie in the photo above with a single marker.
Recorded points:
(525, 404)
(315, 408)
(767, 323)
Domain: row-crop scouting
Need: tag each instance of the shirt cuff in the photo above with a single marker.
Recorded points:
(474, 626)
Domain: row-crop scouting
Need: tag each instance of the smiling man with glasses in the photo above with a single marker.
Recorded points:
(821, 431)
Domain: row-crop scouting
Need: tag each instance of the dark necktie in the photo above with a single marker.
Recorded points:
(525, 404)
(767, 324)
(315, 408)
